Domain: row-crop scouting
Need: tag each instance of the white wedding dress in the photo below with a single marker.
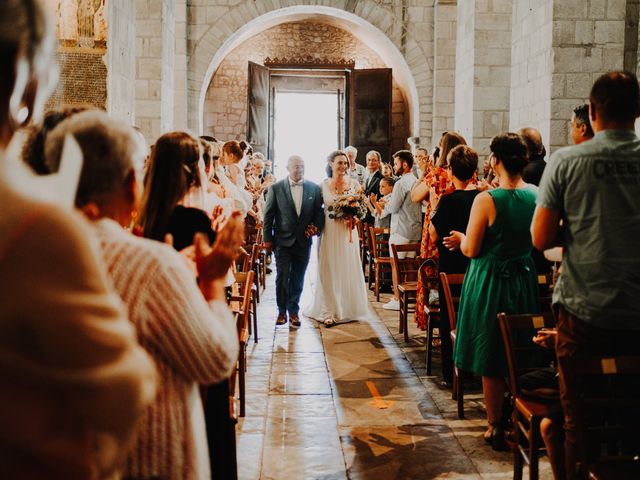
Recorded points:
(340, 290)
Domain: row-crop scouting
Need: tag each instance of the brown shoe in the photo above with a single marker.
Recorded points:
(294, 319)
(282, 319)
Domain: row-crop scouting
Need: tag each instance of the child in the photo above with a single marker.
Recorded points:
(376, 206)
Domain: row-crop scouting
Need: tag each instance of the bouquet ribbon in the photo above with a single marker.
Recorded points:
(350, 230)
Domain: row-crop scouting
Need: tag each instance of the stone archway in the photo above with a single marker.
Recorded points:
(411, 71)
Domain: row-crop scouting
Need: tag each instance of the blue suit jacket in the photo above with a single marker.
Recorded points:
(282, 226)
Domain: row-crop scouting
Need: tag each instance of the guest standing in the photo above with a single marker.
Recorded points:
(452, 214)
(74, 381)
(405, 214)
(173, 176)
(372, 184)
(433, 184)
(501, 276)
(594, 189)
(356, 171)
(189, 332)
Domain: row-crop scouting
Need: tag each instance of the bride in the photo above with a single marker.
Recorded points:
(340, 292)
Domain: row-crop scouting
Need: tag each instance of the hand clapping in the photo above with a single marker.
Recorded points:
(213, 261)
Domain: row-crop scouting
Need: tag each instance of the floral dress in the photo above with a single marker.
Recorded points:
(438, 179)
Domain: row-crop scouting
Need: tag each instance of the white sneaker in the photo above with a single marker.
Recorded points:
(392, 304)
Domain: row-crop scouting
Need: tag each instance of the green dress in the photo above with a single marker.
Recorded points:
(501, 279)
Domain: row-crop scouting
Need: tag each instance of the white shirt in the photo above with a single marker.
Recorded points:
(296, 194)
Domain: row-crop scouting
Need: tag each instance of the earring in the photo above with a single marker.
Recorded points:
(22, 115)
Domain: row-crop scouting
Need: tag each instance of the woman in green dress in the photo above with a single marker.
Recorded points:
(501, 276)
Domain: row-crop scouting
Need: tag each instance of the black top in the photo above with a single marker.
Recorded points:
(185, 222)
(532, 172)
(372, 186)
(452, 213)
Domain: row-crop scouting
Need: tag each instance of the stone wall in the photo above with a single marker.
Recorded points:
(531, 66)
(226, 101)
(588, 40)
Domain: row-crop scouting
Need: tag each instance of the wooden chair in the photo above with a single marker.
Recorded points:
(257, 268)
(431, 312)
(406, 273)
(608, 410)
(363, 235)
(447, 281)
(529, 407)
(262, 258)
(244, 264)
(379, 243)
(245, 284)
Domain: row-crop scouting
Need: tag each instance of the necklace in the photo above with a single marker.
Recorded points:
(336, 190)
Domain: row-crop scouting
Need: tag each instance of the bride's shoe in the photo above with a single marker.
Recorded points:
(330, 322)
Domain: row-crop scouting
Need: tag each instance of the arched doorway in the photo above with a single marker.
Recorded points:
(359, 27)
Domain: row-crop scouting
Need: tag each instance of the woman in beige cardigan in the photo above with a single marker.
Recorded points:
(73, 380)
(190, 333)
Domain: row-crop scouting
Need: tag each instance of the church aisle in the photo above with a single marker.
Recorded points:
(353, 402)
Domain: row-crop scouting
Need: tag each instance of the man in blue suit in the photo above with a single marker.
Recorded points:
(294, 213)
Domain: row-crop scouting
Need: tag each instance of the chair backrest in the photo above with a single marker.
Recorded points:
(406, 268)
(243, 260)
(245, 283)
(608, 406)
(448, 280)
(379, 242)
(522, 354)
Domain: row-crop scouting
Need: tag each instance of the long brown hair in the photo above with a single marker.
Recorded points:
(173, 170)
(448, 141)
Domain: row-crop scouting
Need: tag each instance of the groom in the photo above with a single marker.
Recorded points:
(292, 216)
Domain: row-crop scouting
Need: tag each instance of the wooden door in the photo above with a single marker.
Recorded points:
(370, 112)
(258, 100)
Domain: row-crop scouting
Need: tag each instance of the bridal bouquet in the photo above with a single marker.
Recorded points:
(348, 208)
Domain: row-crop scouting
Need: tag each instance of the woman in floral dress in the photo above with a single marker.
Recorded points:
(429, 189)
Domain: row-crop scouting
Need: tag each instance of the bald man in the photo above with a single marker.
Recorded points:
(536, 152)
(293, 214)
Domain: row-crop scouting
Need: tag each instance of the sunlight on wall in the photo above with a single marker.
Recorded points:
(305, 124)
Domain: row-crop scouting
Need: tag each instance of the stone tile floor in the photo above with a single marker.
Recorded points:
(354, 402)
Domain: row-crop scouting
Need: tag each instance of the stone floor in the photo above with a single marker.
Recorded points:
(354, 402)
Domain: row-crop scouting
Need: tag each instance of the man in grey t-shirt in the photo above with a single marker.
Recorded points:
(594, 188)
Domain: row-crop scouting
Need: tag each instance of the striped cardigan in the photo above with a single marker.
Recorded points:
(192, 343)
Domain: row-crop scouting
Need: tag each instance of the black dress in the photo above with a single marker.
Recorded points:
(452, 213)
(185, 222)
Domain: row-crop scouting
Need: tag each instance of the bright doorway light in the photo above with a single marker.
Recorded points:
(305, 124)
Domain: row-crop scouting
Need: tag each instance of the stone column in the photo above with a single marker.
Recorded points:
(120, 60)
(444, 68)
(180, 114)
(155, 64)
(483, 70)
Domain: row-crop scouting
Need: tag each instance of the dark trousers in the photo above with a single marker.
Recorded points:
(291, 264)
(576, 337)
